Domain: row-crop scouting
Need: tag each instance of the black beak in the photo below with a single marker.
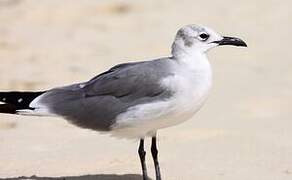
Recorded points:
(231, 41)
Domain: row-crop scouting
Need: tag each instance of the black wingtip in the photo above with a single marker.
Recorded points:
(14, 100)
(8, 109)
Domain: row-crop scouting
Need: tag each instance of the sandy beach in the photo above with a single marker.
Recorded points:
(243, 132)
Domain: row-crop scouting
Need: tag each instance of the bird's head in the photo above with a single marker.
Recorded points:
(195, 38)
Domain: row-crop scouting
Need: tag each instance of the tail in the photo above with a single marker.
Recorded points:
(17, 101)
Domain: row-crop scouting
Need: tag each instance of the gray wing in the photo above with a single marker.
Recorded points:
(96, 103)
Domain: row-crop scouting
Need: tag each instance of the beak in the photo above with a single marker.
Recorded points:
(231, 41)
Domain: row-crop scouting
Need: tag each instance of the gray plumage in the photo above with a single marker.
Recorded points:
(96, 104)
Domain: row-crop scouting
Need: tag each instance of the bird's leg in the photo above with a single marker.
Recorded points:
(154, 152)
(142, 155)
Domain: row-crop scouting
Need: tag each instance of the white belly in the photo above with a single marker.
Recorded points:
(191, 91)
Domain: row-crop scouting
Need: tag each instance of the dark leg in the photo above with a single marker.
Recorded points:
(154, 152)
(142, 155)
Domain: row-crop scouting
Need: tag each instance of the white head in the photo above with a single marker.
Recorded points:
(194, 38)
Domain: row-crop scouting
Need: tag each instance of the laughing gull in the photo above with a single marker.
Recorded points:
(133, 100)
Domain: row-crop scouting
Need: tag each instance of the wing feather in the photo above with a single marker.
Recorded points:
(96, 103)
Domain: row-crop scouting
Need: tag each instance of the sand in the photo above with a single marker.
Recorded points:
(243, 132)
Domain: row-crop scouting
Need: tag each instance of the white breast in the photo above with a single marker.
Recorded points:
(190, 85)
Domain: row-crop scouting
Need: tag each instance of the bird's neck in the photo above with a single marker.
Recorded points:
(195, 60)
(196, 72)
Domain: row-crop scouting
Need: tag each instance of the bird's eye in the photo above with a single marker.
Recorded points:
(204, 36)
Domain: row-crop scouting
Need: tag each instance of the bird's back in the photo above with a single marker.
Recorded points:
(96, 104)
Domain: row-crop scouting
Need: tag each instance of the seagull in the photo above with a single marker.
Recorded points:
(133, 100)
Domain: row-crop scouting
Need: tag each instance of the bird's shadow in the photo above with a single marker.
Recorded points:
(83, 177)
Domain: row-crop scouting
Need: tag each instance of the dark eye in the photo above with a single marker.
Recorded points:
(204, 36)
